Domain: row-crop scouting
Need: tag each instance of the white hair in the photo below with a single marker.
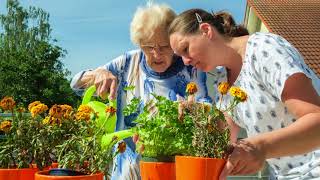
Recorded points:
(147, 19)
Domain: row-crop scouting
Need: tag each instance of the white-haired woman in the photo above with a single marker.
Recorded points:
(153, 68)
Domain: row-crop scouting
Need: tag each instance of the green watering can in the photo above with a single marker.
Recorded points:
(105, 121)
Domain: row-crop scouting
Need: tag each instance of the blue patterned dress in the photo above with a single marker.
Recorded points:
(132, 69)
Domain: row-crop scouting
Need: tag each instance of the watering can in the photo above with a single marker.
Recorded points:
(105, 121)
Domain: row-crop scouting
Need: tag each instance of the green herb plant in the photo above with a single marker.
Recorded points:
(161, 134)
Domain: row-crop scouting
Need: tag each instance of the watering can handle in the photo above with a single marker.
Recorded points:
(88, 94)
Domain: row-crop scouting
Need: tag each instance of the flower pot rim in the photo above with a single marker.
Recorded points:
(164, 159)
(10, 169)
(203, 158)
(46, 173)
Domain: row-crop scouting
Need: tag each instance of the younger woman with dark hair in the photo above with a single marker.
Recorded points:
(282, 113)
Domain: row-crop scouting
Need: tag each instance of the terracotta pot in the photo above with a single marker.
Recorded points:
(18, 174)
(44, 175)
(157, 170)
(191, 168)
(22, 174)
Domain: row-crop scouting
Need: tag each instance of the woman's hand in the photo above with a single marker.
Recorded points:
(105, 82)
(246, 158)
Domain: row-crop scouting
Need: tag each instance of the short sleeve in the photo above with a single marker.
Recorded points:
(274, 61)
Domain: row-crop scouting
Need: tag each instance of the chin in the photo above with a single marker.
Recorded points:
(160, 69)
(205, 68)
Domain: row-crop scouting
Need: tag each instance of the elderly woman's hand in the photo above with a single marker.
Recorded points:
(246, 158)
(105, 82)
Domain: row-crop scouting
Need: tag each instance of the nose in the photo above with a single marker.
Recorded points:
(156, 53)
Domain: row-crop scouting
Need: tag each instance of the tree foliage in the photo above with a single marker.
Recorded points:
(30, 61)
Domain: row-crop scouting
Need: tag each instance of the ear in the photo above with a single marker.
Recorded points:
(206, 30)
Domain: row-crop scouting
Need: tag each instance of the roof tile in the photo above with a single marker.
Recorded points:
(296, 20)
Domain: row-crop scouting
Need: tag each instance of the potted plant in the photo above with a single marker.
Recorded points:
(210, 139)
(87, 152)
(25, 147)
(160, 135)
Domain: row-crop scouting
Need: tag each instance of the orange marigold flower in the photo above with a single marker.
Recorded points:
(38, 109)
(66, 110)
(7, 103)
(122, 147)
(238, 94)
(111, 110)
(55, 111)
(5, 126)
(191, 88)
(31, 105)
(84, 112)
(223, 87)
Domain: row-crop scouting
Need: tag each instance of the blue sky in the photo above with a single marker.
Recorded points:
(95, 31)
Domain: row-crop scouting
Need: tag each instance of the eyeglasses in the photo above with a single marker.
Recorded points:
(158, 48)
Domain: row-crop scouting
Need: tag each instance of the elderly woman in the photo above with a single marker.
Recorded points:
(152, 69)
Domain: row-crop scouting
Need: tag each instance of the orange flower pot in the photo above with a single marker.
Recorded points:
(18, 174)
(44, 175)
(157, 170)
(22, 174)
(191, 168)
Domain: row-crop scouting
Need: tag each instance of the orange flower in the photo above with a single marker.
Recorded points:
(84, 112)
(5, 126)
(55, 111)
(122, 147)
(191, 88)
(38, 109)
(7, 103)
(66, 110)
(31, 105)
(238, 93)
(111, 110)
(223, 87)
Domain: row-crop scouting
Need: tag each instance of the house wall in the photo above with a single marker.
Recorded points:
(253, 23)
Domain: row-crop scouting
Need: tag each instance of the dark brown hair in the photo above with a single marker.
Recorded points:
(223, 22)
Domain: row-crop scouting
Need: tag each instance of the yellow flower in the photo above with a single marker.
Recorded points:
(111, 110)
(7, 103)
(238, 94)
(191, 88)
(31, 105)
(5, 126)
(46, 120)
(223, 87)
(122, 147)
(84, 112)
(38, 109)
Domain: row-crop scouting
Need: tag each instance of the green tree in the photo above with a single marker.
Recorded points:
(30, 61)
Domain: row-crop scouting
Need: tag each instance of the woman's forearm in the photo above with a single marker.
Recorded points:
(298, 138)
